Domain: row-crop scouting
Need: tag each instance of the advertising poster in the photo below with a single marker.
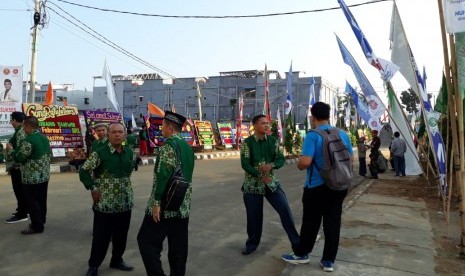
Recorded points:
(11, 97)
(93, 117)
(205, 134)
(188, 133)
(154, 126)
(60, 124)
(226, 134)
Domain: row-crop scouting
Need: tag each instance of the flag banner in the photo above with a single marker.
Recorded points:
(10, 97)
(441, 100)
(60, 124)
(49, 94)
(454, 16)
(288, 104)
(133, 120)
(280, 126)
(402, 53)
(362, 109)
(411, 156)
(335, 109)
(205, 134)
(460, 59)
(225, 134)
(376, 107)
(266, 105)
(239, 121)
(111, 94)
(311, 97)
(155, 110)
(385, 68)
(347, 118)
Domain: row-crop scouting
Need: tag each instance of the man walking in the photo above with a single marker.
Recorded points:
(261, 156)
(107, 174)
(34, 156)
(16, 120)
(398, 149)
(158, 223)
(319, 201)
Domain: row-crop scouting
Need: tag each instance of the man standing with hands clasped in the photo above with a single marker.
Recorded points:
(158, 223)
(398, 149)
(107, 174)
(319, 201)
(261, 156)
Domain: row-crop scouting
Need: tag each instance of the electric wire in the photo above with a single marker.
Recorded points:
(216, 16)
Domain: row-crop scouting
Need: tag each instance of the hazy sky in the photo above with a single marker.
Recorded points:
(205, 47)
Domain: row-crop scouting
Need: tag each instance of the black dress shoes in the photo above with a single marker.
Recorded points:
(122, 266)
(247, 251)
(92, 271)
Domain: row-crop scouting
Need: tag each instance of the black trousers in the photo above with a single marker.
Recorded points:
(18, 189)
(109, 226)
(150, 239)
(36, 198)
(321, 203)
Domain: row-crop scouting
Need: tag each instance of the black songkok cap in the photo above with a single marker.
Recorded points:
(175, 118)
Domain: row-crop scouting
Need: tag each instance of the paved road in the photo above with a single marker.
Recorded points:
(217, 226)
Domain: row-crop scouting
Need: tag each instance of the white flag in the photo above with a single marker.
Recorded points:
(106, 75)
(133, 121)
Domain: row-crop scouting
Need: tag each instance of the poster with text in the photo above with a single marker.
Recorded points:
(60, 124)
(188, 133)
(93, 117)
(205, 134)
(154, 126)
(225, 134)
(11, 97)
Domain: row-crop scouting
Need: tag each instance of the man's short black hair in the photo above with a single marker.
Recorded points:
(396, 134)
(18, 116)
(257, 117)
(7, 80)
(320, 111)
(32, 122)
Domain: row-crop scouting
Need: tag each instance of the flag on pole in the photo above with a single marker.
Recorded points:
(424, 78)
(361, 107)
(376, 106)
(347, 117)
(402, 54)
(335, 108)
(266, 105)
(385, 68)
(155, 110)
(133, 120)
(280, 126)
(49, 94)
(111, 94)
(239, 120)
(65, 101)
(288, 104)
(311, 97)
(441, 100)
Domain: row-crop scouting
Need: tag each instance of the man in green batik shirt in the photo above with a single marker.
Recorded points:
(34, 156)
(261, 156)
(107, 174)
(101, 129)
(13, 168)
(159, 224)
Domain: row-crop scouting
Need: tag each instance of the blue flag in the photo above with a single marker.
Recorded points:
(360, 106)
(288, 105)
(311, 98)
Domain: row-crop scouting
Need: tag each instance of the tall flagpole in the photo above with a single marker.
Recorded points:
(35, 30)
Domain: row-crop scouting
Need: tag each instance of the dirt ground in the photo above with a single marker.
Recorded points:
(449, 261)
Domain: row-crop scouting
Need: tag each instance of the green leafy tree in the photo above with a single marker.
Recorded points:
(274, 129)
(289, 135)
(297, 143)
(410, 100)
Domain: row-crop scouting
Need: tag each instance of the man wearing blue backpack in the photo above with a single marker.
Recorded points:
(327, 155)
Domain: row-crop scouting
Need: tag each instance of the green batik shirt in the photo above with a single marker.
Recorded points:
(15, 141)
(254, 153)
(34, 156)
(164, 168)
(98, 144)
(110, 173)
